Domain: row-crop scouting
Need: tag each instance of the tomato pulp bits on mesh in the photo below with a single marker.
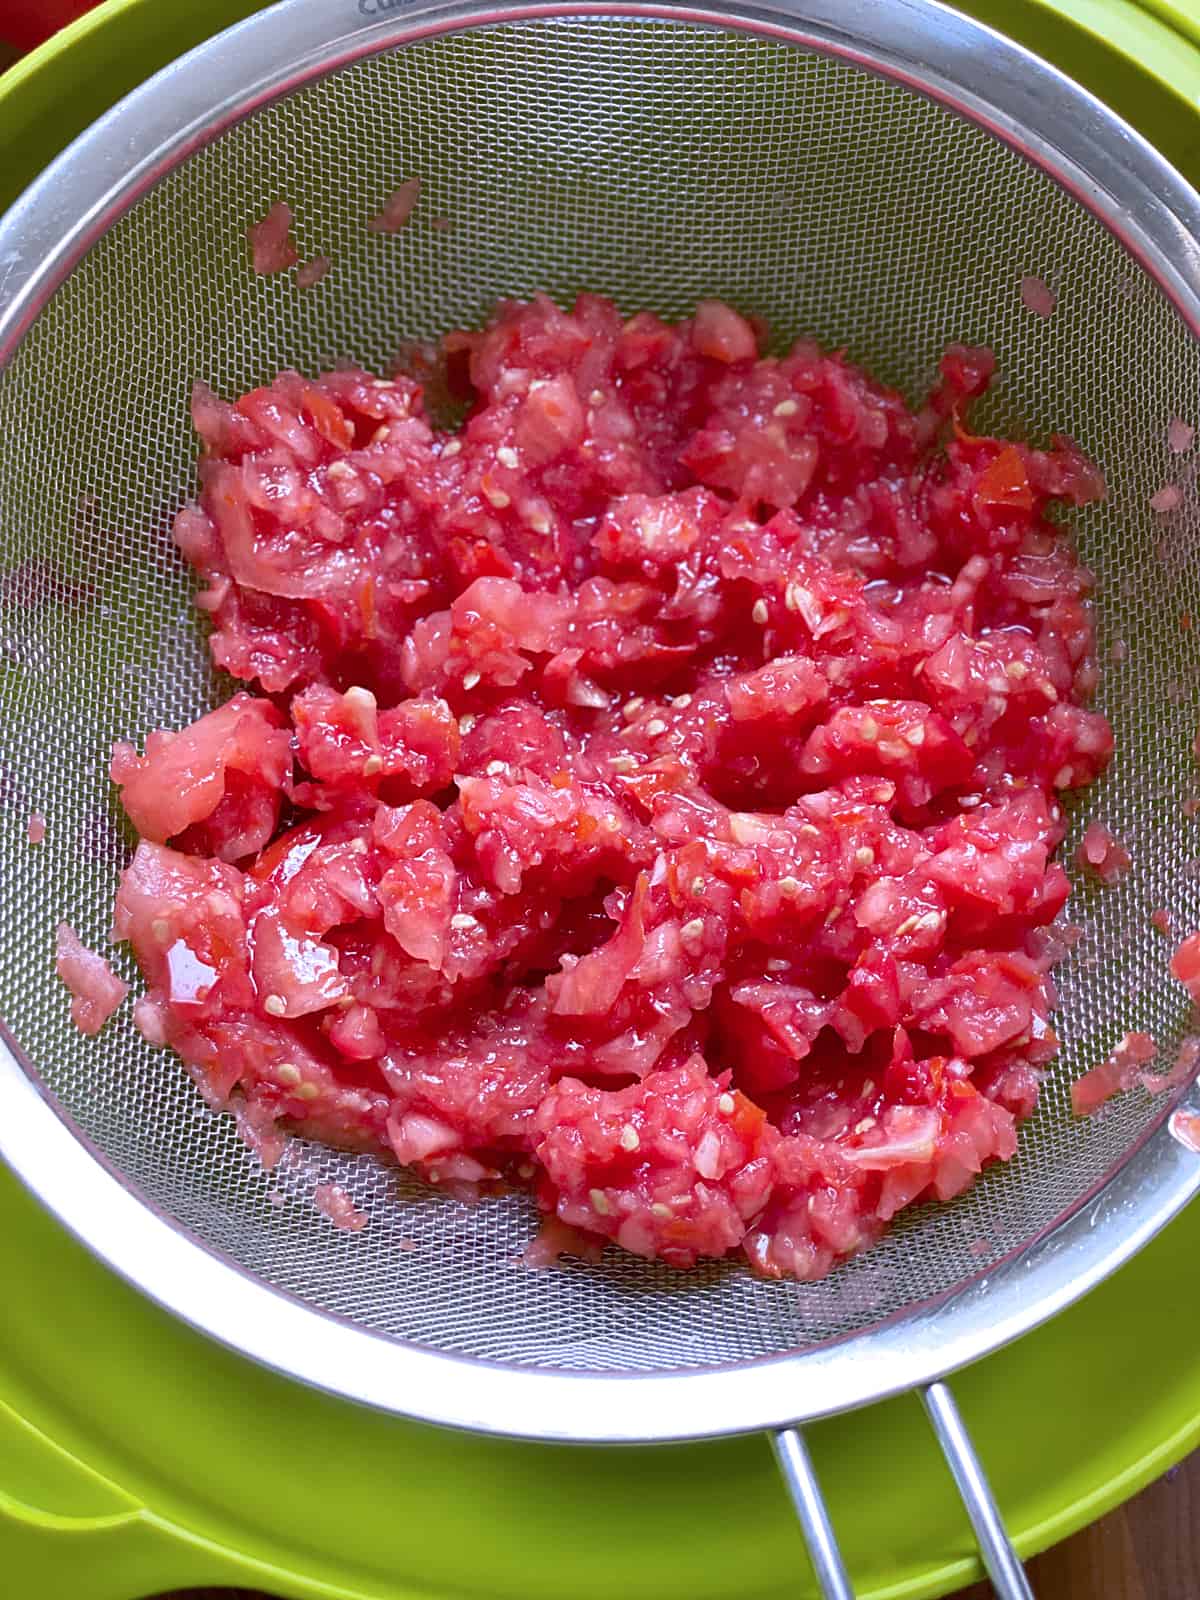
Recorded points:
(650, 792)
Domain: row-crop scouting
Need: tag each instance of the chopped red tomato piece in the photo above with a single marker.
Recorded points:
(96, 988)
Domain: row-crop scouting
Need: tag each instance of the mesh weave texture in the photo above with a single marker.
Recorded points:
(656, 162)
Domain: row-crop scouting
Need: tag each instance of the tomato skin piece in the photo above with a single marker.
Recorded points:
(1005, 483)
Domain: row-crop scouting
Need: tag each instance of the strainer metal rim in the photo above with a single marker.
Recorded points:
(963, 66)
(205, 1289)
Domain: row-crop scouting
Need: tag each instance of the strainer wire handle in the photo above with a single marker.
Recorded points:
(995, 1548)
(796, 1465)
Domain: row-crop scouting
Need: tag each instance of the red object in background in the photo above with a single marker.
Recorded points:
(26, 23)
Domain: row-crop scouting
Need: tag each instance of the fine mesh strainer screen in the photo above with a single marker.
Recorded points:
(656, 162)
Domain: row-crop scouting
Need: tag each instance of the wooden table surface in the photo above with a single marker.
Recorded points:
(1148, 1549)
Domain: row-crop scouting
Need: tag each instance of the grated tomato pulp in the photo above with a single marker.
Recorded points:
(650, 792)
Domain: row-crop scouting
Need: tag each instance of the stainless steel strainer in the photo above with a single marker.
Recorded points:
(880, 173)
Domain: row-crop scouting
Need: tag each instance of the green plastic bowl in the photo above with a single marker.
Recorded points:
(135, 1456)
